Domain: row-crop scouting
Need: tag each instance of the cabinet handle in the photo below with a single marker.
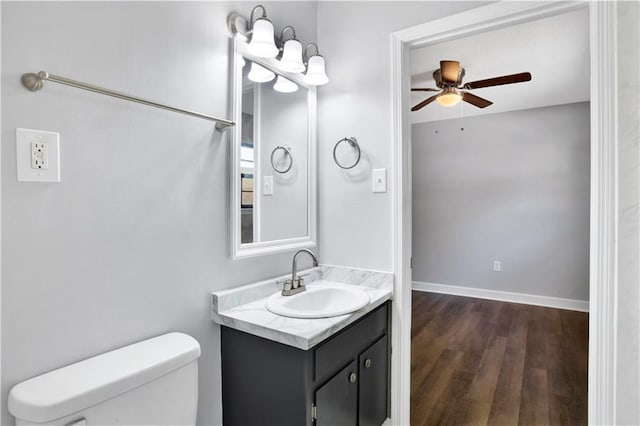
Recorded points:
(367, 363)
(353, 377)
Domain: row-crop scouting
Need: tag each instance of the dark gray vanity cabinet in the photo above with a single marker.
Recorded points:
(343, 381)
(337, 400)
(374, 377)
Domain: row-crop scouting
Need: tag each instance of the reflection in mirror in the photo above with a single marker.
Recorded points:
(283, 122)
(273, 183)
(247, 170)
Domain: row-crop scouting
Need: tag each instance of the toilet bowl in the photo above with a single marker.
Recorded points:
(153, 382)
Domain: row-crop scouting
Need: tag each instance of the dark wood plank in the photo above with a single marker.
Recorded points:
(536, 343)
(482, 362)
(505, 319)
(506, 401)
(481, 393)
(476, 345)
(455, 389)
(434, 384)
(519, 328)
(534, 402)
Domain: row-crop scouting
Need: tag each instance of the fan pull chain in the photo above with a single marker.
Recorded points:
(462, 116)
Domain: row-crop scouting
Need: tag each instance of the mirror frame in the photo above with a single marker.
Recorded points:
(239, 250)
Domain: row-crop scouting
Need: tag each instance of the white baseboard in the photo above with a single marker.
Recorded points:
(505, 296)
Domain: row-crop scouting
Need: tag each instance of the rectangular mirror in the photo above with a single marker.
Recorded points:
(273, 170)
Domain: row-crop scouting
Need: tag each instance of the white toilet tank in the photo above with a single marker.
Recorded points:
(154, 382)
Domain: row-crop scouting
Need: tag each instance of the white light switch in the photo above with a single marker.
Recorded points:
(379, 180)
(497, 266)
(38, 155)
(267, 185)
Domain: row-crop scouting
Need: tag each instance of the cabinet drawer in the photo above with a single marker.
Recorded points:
(336, 352)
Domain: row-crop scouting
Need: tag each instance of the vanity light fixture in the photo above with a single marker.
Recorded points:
(291, 60)
(449, 97)
(284, 85)
(260, 74)
(290, 57)
(316, 74)
(262, 42)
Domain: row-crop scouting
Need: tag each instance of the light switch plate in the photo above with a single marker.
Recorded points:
(37, 155)
(379, 180)
(267, 185)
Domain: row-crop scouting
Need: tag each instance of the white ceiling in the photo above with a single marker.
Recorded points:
(554, 50)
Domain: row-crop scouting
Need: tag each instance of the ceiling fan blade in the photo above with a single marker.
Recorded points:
(450, 71)
(424, 89)
(425, 103)
(476, 100)
(498, 81)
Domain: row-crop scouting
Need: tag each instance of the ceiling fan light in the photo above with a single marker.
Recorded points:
(262, 42)
(449, 97)
(259, 74)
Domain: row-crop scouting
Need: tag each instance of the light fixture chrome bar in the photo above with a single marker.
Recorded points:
(34, 82)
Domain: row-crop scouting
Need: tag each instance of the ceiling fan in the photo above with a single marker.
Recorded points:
(449, 81)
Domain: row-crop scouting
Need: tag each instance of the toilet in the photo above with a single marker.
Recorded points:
(153, 382)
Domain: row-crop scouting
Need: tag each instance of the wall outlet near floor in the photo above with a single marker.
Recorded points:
(37, 155)
(497, 266)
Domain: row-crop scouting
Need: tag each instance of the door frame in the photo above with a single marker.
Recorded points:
(603, 188)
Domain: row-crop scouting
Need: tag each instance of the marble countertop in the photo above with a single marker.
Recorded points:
(243, 308)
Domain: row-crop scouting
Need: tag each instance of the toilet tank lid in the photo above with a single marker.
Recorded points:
(77, 386)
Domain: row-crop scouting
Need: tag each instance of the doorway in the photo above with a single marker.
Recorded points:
(603, 170)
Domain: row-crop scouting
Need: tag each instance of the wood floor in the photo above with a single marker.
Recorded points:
(483, 362)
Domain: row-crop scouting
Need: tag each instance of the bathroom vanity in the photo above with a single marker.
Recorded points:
(290, 371)
(342, 381)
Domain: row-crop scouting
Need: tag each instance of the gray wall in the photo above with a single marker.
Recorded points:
(135, 237)
(354, 37)
(628, 321)
(512, 187)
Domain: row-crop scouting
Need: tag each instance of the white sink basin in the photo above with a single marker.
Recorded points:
(321, 300)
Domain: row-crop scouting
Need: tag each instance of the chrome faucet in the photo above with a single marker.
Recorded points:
(296, 284)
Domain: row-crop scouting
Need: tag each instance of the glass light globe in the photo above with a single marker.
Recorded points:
(284, 85)
(292, 56)
(449, 97)
(316, 74)
(259, 74)
(262, 43)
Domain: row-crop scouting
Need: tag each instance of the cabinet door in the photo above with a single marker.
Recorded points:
(373, 366)
(337, 400)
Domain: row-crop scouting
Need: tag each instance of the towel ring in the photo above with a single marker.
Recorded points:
(354, 144)
(287, 151)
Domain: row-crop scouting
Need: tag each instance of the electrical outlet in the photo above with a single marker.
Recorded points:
(497, 266)
(37, 155)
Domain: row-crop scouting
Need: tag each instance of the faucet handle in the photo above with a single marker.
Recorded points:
(287, 284)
